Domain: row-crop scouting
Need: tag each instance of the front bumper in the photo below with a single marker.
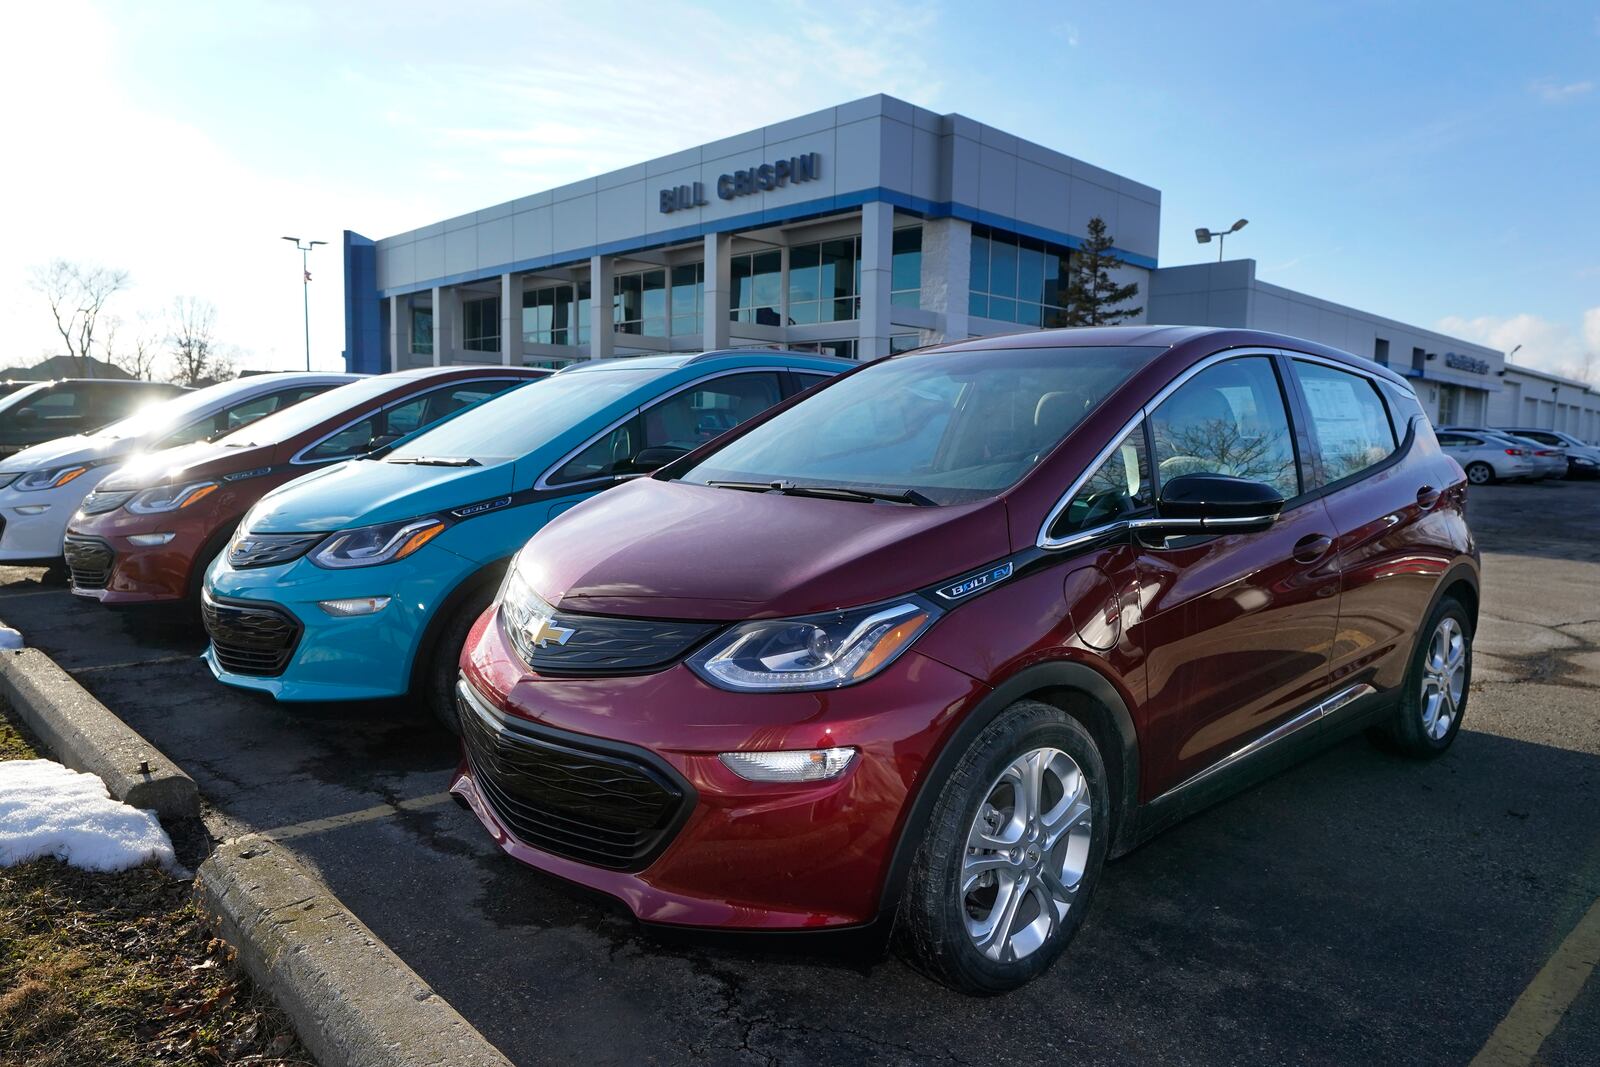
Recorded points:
(741, 854)
(32, 525)
(361, 657)
(132, 573)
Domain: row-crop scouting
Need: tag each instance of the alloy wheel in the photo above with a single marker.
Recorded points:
(1478, 474)
(1027, 850)
(1444, 675)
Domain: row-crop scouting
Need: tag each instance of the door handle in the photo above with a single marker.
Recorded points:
(1312, 547)
(1427, 497)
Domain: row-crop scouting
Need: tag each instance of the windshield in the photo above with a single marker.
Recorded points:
(509, 426)
(170, 414)
(951, 426)
(282, 425)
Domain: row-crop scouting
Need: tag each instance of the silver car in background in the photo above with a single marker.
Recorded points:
(1583, 459)
(1485, 456)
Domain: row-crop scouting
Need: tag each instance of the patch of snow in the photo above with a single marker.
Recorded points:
(48, 810)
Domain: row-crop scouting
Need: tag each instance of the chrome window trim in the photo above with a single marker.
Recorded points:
(1056, 544)
(299, 460)
(543, 481)
(1317, 712)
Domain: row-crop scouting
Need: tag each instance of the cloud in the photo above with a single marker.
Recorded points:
(1556, 347)
(1553, 91)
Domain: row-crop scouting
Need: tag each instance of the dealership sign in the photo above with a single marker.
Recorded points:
(758, 179)
(1468, 363)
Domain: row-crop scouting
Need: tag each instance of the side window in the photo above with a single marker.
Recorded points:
(1352, 428)
(403, 418)
(111, 403)
(1119, 487)
(350, 441)
(689, 419)
(444, 402)
(807, 380)
(62, 403)
(1451, 440)
(1228, 419)
(603, 458)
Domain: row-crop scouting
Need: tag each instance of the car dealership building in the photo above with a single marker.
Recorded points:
(859, 230)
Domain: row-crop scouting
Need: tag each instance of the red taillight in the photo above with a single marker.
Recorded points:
(1545, 452)
(1515, 452)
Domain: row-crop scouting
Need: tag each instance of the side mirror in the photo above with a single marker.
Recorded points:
(653, 459)
(1216, 503)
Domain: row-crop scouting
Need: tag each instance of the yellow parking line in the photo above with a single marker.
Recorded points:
(351, 818)
(1538, 1011)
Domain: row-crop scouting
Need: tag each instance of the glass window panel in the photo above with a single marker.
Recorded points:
(1028, 314)
(767, 274)
(1030, 274)
(908, 299)
(805, 274)
(804, 312)
(1118, 488)
(1349, 419)
(1003, 269)
(978, 304)
(906, 272)
(980, 264)
(1054, 284)
(1228, 419)
(1004, 310)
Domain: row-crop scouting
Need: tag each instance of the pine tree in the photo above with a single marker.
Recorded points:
(1092, 297)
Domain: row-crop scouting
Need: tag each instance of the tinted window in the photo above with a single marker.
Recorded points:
(1347, 417)
(406, 417)
(1228, 419)
(282, 425)
(1542, 438)
(685, 420)
(1119, 487)
(116, 402)
(60, 402)
(955, 426)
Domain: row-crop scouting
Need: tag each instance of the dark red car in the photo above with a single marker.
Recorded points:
(932, 641)
(149, 531)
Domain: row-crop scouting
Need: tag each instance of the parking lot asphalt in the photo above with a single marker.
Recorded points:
(1357, 908)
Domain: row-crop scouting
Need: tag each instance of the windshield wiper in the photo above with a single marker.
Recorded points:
(436, 461)
(835, 492)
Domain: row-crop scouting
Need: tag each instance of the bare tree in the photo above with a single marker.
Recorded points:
(134, 351)
(196, 356)
(77, 295)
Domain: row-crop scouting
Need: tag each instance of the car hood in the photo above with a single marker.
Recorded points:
(671, 550)
(363, 492)
(188, 463)
(65, 451)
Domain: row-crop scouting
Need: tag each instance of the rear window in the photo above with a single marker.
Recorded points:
(954, 426)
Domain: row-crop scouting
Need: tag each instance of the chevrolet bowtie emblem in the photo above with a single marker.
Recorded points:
(541, 630)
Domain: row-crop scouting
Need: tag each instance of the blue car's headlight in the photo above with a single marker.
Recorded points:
(368, 546)
(815, 651)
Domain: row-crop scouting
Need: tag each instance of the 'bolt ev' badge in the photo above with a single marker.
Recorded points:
(541, 630)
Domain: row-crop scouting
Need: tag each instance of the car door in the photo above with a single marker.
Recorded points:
(1382, 474)
(1236, 628)
(61, 410)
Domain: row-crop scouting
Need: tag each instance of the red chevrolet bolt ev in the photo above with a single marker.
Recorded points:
(931, 642)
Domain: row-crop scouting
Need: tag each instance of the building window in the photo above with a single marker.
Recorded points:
(422, 331)
(1449, 404)
(825, 281)
(1419, 359)
(688, 298)
(1380, 350)
(757, 285)
(904, 342)
(1017, 279)
(906, 275)
(547, 315)
(481, 324)
(639, 303)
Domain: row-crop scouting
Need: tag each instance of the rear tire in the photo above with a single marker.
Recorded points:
(444, 664)
(1437, 687)
(1480, 473)
(1011, 854)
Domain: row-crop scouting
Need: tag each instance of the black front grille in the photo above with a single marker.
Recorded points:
(603, 804)
(603, 644)
(89, 561)
(100, 501)
(266, 550)
(249, 637)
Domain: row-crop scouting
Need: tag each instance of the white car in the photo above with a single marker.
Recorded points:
(40, 487)
(1583, 459)
(1486, 457)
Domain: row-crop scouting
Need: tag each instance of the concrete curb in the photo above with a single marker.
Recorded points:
(353, 1002)
(83, 734)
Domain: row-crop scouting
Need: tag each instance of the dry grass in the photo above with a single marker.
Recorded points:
(122, 970)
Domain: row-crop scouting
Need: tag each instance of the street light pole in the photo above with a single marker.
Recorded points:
(1204, 235)
(305, 286)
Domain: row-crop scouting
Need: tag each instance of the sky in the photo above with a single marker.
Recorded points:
(1437, 163)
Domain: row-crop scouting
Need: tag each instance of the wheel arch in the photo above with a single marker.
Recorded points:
(488, 574)
(1079, 690)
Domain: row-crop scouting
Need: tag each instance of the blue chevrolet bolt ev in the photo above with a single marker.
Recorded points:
(362, 580)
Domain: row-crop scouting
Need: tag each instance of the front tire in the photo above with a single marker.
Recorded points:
(1011, 855)
(1480, 473)
(444, 665)
(1437, 686)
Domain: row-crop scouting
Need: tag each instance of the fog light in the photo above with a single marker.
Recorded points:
(33, 509)
(804, 765)
(146, 540)
(355, 605)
